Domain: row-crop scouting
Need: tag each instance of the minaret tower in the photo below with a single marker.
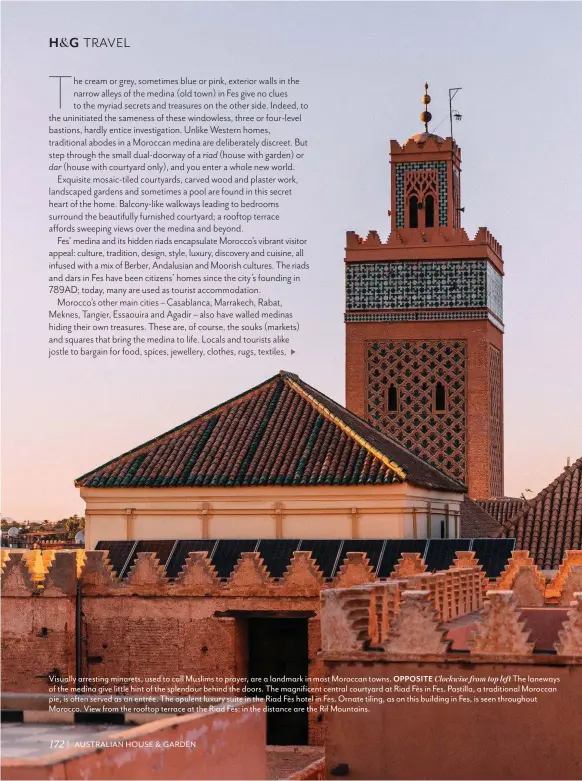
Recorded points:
(424, 320)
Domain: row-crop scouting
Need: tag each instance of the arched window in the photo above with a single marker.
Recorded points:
(413, 212)
(440, 397)
(392, 398)
(429, 211)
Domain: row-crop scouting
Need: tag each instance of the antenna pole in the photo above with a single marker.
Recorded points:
(452, 92)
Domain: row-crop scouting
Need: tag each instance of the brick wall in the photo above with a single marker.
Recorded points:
(483, 477)
(146, 625)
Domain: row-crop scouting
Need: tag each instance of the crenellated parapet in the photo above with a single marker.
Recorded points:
(555, 589)
(518, 559)
(529, 587)
(355, 570)
(146, 576)
(346, 617)
(570, 636)
(391, 619)
(17, 578)
(417, 628)
(502, 630)
(302, 575)
(24, 575)
(427, 143)
(454, 592)
(572, 585)
(442, 597)
(416, 237)
(249, 576)
(408, 564)
(198, 576)
(61, 575)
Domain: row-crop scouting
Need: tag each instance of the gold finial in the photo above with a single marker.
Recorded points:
(426, 116)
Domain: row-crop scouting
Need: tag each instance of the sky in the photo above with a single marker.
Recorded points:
(362, 68)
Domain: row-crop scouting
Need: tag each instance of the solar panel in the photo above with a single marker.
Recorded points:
(325, 553)
(227, 554)
(493, 554)
(393, 550)
(118, 552)
(277, 555)
(181, 551)
(440, 553)
(162, 549)
(372, 549)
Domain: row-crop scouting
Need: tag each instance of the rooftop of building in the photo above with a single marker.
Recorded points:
(551, 522)
(281, 432)
(502, 509)
(476, 521)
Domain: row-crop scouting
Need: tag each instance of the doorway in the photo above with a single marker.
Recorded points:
(278, 649)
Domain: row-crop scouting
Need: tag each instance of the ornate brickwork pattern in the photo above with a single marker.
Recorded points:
(455, 284)
(415, 367)
(421, 184)
(495, 422)
(441, 169)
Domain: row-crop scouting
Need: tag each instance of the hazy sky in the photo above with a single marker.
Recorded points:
(362, 66)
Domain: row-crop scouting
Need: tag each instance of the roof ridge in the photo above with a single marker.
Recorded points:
(501, 499)
(529, 503)
(323, 410)
(143, 448)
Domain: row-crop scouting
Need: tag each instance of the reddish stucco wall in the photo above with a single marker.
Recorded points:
(126, 636)
(229, 744)
(461, 741)
(38, 635)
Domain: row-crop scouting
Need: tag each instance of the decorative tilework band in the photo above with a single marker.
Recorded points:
(407, 317)
(411, 285)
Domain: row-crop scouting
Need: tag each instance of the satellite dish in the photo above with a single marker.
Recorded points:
(13, 531)
(80, 537)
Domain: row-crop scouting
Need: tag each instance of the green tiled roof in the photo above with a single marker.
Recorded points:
(282, 432)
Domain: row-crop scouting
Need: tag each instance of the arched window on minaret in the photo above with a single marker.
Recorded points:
(429, 211)
(413, 212)
(392, 398)
(440, 398)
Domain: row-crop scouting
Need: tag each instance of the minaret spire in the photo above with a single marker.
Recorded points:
(426, 116)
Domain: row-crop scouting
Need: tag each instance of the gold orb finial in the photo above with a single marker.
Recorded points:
(425, 116)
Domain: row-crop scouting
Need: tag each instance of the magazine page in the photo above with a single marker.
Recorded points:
(292, 476)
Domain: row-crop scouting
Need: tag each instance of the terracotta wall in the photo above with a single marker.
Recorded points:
(479, 335)
(38, 636)
(461, 741)
(144, 626)
(228, 744)
(138, 636)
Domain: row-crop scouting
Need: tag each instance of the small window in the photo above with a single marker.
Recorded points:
(392, 398)
(413, 212)
(429, 211)
(440, 398)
